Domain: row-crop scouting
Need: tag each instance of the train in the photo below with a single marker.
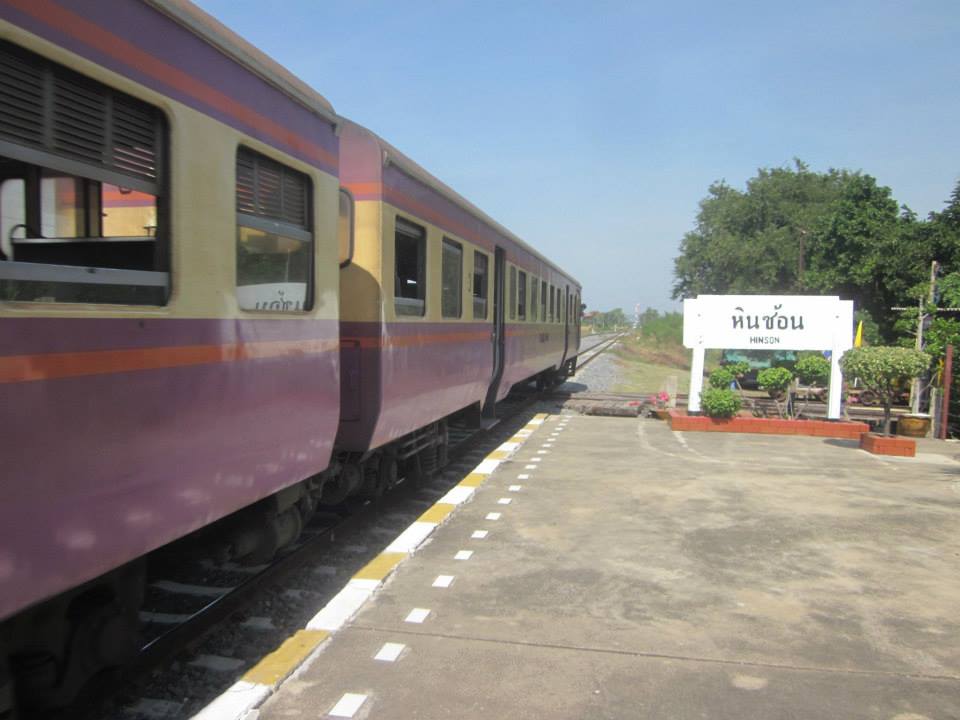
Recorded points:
(222, 306)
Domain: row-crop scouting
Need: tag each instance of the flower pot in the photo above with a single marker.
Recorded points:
(916, 426)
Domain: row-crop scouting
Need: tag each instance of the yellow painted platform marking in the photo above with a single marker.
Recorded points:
(285, 659)
(381, 566)
(437, 513)
(498, 455)
(473, 480)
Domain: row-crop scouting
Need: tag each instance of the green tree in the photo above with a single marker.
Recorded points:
(836, 232)
(885, 371)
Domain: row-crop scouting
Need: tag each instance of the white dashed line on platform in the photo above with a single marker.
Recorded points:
(523, 477)
(348, 705)
(504, 501)
(417, 615)
(493, 516)
(463, 555)
(443, 581)
(389, 652)
(529, 467)
(515, 488)
(479, 534)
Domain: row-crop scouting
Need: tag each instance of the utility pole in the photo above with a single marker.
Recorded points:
(921, 318)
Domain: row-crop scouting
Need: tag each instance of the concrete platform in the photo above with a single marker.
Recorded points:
(641, 573)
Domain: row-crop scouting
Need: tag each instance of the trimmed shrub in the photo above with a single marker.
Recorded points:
(813, 370)
(739, 368)
(775, 381)
(720, 402)
(721, 377)
(884, 370)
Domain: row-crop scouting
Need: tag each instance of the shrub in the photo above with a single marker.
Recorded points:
(775, 380)
(721, 377)
(739, 368)
(813, 370)
(884, 370)
(720, 402)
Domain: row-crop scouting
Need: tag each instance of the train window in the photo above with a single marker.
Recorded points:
(81, 172)
(410, 271)
(480, 264)
(451, 276)
(533, 299)
(345, 227)
(522, 296)
(543, 299)
(274, 241)
(552, 295)
(513, 293)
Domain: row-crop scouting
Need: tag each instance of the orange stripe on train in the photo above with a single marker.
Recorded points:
(49, 366)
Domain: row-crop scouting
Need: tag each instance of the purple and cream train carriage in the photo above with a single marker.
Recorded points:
(442, 308)
(192, 244)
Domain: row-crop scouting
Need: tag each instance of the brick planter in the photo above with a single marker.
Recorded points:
(768, 426)
(883, 445)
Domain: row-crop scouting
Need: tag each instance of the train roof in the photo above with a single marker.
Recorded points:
(395, 157)
(232, 45)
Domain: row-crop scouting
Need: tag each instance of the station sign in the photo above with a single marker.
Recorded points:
(768, 322)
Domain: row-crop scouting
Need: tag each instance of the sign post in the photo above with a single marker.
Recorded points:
(768, 322)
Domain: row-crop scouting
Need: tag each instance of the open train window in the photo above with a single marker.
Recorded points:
(82, 206)
(533, 298)
(513, 293)
(410, 281)
(480, 264)
(522, 296)
(274, 239)
(451, 276)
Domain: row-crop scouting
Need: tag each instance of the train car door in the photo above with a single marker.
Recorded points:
(498, 331)
(566, 323)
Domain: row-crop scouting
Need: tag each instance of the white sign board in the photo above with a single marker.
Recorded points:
(768, 322)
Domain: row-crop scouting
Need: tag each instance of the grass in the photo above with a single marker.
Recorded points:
(647, 364)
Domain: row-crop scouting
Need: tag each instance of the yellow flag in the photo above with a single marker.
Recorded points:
(858, 340)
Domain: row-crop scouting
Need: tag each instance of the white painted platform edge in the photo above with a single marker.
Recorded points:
(457, 495)
(411, 538)
(342, 606)
(486, 467)
(235, 702)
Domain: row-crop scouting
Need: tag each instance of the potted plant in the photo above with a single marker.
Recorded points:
(884, 371)
(660, 403)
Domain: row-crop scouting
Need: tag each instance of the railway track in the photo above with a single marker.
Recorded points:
(588, 355)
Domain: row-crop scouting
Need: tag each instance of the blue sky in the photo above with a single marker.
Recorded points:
(593, 129)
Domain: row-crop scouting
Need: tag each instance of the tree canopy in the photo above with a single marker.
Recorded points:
(837, 232)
